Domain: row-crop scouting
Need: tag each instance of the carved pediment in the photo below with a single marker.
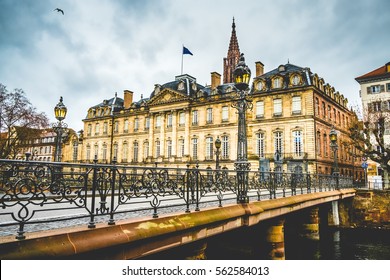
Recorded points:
(167, 96)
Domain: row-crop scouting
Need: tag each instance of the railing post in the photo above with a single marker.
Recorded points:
(308, 182)
(187, 187)
(197, 187)
(94, 182)
(113, 176)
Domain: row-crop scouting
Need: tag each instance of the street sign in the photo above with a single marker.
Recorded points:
(364, 165)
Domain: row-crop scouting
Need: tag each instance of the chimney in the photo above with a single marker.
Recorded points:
(127, 98)
(215, 80)
(259, 68)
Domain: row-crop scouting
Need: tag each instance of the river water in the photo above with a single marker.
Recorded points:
(341, 244)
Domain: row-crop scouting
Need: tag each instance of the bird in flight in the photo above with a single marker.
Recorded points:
(59, 10)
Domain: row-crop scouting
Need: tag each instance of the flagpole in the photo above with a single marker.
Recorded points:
(182, 60)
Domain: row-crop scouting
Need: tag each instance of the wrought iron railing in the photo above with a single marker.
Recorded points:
(35, 195)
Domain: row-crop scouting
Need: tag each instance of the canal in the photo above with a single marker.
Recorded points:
(341, 244)
(334, 244)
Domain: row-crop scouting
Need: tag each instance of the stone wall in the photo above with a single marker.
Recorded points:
(371, 209)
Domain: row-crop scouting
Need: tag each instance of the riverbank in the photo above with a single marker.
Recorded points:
(370, 209)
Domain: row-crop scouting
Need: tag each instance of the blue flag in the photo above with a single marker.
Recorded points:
(186, 51)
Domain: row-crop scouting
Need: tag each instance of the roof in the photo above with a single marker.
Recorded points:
(186, 87)
(284, 69)
(379, 73)
(116, 101)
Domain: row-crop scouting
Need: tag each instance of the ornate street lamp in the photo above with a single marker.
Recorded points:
(217, 152)
(334, 147)
(241, 75)
(60, 128)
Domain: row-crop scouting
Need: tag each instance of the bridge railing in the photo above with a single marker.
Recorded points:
(38, 195)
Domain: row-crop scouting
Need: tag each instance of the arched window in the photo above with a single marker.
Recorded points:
(209, 148)
(135, 151)
(298, 146)
(260, 144)
(225, 147)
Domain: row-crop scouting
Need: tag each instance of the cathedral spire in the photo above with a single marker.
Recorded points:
(233, 56)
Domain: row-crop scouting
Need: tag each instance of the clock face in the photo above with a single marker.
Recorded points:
(260, 85)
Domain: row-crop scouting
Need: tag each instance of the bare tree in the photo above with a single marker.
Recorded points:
(19, 121)
(371, 134)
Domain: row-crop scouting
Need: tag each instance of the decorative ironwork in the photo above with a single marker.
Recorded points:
(44, 193)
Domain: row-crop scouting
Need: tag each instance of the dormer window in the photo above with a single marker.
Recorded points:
(260, 85)
(295, 80)
(281, 68)
(181, 85)
(277, 83)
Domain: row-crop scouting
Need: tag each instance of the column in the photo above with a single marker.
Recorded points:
(310, 226)
(275, 240)
(162, 136)
(187, 137)
(174, 133)
(151, 130)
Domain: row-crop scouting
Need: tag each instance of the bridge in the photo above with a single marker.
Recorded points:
(97, 211)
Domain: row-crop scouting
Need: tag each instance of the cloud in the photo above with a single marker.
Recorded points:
(101, 47)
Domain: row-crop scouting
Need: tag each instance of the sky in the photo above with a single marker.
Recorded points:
(100, 47)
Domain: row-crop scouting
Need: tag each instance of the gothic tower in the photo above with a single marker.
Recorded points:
(233, 56)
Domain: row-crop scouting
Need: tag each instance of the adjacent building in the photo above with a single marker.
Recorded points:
(375, 96)
(288, 126)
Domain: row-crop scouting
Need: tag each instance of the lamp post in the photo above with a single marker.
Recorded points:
(334, 147)
(217, 152)
(241, 75)
(59, 127)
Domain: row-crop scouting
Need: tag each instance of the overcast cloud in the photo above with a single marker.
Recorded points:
(100, 47)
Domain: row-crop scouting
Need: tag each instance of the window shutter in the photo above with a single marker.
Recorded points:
(382, 88)
(368, 90)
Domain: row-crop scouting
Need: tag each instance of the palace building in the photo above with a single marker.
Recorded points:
(287, 128)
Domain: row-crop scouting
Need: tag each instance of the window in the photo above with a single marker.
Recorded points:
(146, 150)
(296, 80)
(169, 148)
(104, 151)
(375, 89)
(88, 153)
(125, 150)
(157, 148)
(318, 144)
(376, 106)
(278, 107)
(135, 151)
(116, 126)
(277, 83)
(296, 105)
(325, 144)
(195, 117)
(225, 147)
(259, 109)
(147, 123)
(278, 138)
(182, 119)
(209, 115)
(297, 136)
(169, 120)
(388, 87)
(97, 129)
(75, 150)
(136, 124)
(96, 151)
(158, 121)
(194, 148)
(225, 113)
(260, 144)
(105, 128)
(181, 148)
(209, 148)
(126, 126)
(317, 107)
(115, 152)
